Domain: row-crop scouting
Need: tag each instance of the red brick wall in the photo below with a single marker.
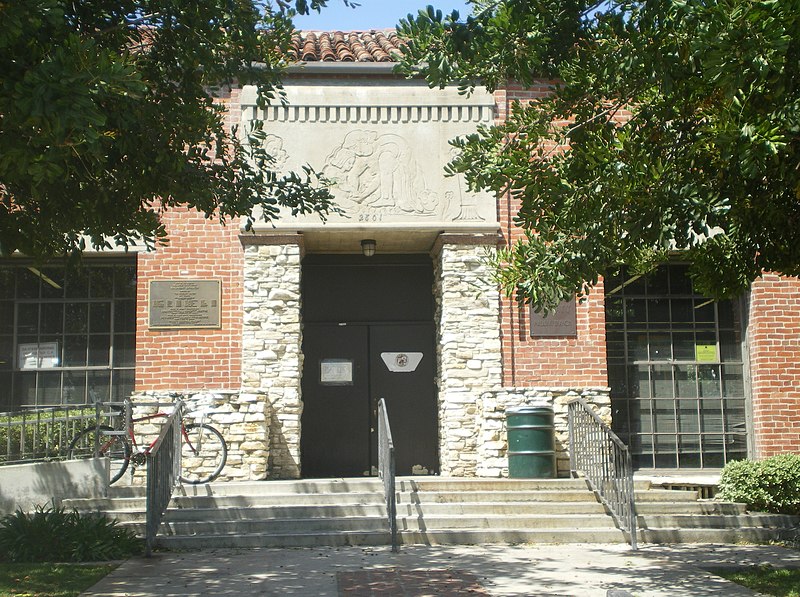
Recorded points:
(200, 358)
(774, 339)
(572, 362)
(199, 248)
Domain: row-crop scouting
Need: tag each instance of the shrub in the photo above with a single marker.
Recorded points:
(770, 485)
(54, 535)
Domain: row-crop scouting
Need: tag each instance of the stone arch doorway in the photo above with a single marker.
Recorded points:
(368, 333)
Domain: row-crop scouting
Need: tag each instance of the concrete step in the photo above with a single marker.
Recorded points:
(451, 497)
(737, 535)
(666, 495)
(275, 527)
(500, 521)
(717, 521)
(498, 508)
(318, 539)
(447, 484)
(355, 538)
(105, 504)
(255, 513)
(305, 486)
(253, 488)
(231, 501)
(698, 508)
(276, 512)
(510, 536)
(403, 484)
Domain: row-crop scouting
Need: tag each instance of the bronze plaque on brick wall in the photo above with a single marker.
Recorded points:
(184, 304)
(561, 322)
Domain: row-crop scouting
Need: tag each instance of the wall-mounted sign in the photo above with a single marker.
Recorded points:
(336, 372)
(561, 322)
(401, 362)
(184, 304)
(37, 356)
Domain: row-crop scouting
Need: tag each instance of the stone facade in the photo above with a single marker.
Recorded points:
(241, 418)
(469, 357)
(491, 409)
(472, 399)
(272, 360)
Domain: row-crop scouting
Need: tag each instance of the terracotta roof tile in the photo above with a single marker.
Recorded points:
(353, 46)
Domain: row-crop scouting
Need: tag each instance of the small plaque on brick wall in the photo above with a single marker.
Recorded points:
(176, 304)
(562, 322)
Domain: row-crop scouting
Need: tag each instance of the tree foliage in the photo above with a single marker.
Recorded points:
(110, 113)
(682, 119)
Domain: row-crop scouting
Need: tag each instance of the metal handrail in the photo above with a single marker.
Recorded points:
(386, 468)
(605, 462)
(163, 471)
(44, 433)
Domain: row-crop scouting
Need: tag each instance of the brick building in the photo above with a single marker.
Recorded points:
(288, 335)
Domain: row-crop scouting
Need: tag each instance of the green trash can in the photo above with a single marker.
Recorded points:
(531, 442)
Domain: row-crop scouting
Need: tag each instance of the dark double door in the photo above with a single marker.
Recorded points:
(351, 363)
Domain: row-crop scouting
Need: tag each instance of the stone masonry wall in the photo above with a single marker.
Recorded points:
(469, 358)
(492, 407)
(241, 418)
(271, 343)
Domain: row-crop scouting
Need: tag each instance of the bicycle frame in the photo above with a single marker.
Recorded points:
(137, 455)
(203, 445)
(159, 415)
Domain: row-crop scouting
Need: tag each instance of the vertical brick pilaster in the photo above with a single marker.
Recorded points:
(774, 344)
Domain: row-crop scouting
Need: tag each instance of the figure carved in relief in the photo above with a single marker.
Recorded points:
(379, 171)
(469, 201)
(273, 145)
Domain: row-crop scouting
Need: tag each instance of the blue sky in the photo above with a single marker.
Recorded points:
(371, 14)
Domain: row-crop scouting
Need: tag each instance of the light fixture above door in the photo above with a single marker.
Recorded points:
(368, 246)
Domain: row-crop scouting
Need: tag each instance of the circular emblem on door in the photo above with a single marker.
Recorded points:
(401, 360)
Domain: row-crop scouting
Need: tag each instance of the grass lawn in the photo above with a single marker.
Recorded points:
(766, 580)
(49, 580)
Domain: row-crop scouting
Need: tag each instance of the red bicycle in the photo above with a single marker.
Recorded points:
(203, 452)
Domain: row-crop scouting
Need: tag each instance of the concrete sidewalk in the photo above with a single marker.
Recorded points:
(540, 570)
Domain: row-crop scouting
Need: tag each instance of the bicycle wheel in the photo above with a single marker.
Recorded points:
(203, 454)
(115, 447)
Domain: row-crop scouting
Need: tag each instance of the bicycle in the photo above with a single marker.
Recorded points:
(203, 452)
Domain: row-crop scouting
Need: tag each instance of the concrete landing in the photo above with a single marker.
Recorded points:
(548, 570)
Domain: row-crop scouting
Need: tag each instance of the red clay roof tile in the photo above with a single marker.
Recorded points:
(353, 46)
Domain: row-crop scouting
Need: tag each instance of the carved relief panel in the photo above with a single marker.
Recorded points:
(383, 148)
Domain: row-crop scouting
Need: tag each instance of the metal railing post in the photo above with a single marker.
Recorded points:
(386, 469)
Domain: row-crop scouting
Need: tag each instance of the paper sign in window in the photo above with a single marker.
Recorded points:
(706, 353)
(336, 372)
(37, 356)
(401, 362)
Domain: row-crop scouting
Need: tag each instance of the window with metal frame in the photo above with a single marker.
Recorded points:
(67, 333)
(675, 370)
